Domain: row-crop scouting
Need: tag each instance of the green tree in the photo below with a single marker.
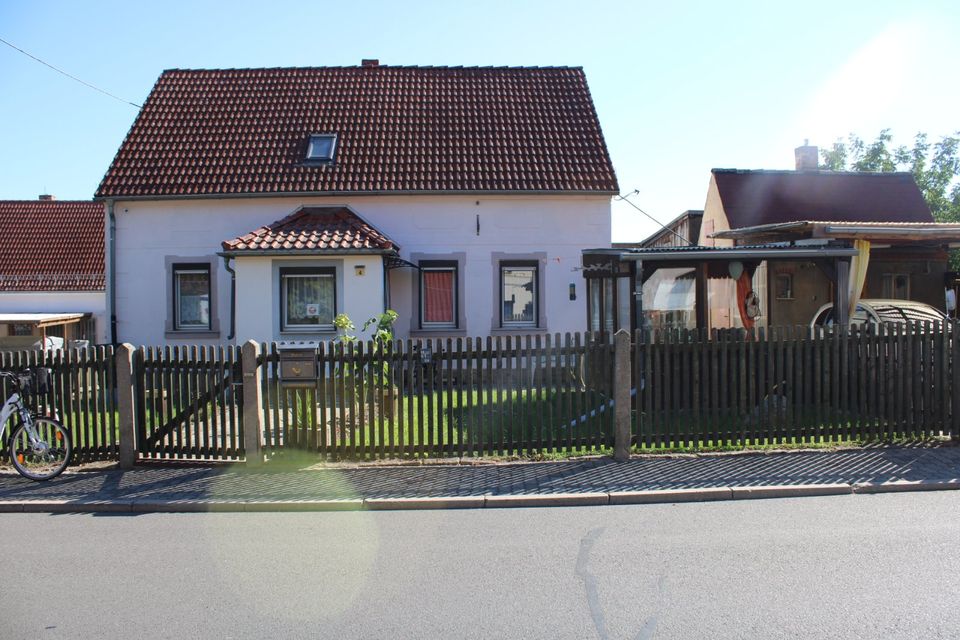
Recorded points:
(935, 167)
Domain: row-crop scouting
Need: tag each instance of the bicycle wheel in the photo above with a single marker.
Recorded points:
(44, 458)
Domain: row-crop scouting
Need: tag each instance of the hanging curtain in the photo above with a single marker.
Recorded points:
(438, 286)
(858, 273)
(744, 286)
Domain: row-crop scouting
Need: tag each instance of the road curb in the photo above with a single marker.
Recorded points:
(897, 486)
(348, 504)
(791, 491)
(547, 500)
(149, 505)
(73, 506)
(451, 502)
(655, 496)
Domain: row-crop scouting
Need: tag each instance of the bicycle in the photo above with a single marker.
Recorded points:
(39, 447)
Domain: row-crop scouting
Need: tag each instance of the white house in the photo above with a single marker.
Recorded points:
(51, 271)
(260, 203)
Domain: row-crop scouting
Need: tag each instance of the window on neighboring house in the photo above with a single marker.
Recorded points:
(896, 286)
(308, 298)
(784, 286)
(191, 297)
(519, 294)
(322, 147)
(439, 297)
(20, 329)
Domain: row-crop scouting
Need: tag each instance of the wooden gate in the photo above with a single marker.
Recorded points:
(188, 402)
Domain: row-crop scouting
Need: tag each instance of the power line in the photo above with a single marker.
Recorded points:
(61, 71)
(635, 191)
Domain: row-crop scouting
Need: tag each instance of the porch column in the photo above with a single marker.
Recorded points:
(638, 293)
(841, 293)
(702, 297)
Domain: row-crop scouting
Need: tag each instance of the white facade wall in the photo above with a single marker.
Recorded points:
(258, 299)
(93, 302)
(151, 233)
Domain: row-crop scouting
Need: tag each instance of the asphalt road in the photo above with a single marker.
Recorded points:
(859, 566)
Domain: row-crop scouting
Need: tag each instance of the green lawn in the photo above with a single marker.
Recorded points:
(498, 421)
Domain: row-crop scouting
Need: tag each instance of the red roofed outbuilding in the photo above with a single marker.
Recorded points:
(51, 271)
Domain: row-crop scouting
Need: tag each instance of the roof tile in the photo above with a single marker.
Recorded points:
(51, 245)
(232, 131)
(313, 229)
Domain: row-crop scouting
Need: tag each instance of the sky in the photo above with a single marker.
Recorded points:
(679, 87)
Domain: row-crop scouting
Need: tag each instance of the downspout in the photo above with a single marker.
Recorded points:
(386, 285)
(233, 295)
(112, 276)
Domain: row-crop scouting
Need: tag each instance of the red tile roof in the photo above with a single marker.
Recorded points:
(400, 129)
(311, 230)
(752, 198)
(51, 245)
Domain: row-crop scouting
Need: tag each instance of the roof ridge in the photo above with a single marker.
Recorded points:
(385, 66)
(57, 201)
(822, 172)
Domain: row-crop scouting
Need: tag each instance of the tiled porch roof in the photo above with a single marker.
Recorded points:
(312, 230)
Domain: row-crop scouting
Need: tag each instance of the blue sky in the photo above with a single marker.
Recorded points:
(679, 87)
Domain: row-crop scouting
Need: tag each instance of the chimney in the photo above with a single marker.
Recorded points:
(807, 157)
(46, 197)
(369, 63)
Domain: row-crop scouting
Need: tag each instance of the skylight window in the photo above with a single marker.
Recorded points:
(322, 146)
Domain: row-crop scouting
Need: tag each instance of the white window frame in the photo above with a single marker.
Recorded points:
(332, 137)
(452, 267)
(305, 272)
(185, 269)
(511, 265)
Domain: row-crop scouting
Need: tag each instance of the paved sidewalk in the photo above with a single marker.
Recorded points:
(589, 481)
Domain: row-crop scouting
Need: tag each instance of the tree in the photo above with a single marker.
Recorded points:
(935, 167)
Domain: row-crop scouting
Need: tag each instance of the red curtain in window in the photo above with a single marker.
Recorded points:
(438, 296)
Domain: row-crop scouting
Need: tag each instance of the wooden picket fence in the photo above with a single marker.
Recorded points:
(81, 396)
(188, 403)
(510, 395)
(796, 385)
(500, 396)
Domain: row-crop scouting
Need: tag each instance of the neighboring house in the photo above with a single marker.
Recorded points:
(673, 289)
(813, 206)
(775, 246)
(460, 197)
(51, 271)
(682, 231)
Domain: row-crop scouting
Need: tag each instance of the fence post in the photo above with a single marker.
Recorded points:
(252, 406)
(125, 404)
(621, 396)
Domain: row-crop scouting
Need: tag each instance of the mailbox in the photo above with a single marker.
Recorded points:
(298, 364)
